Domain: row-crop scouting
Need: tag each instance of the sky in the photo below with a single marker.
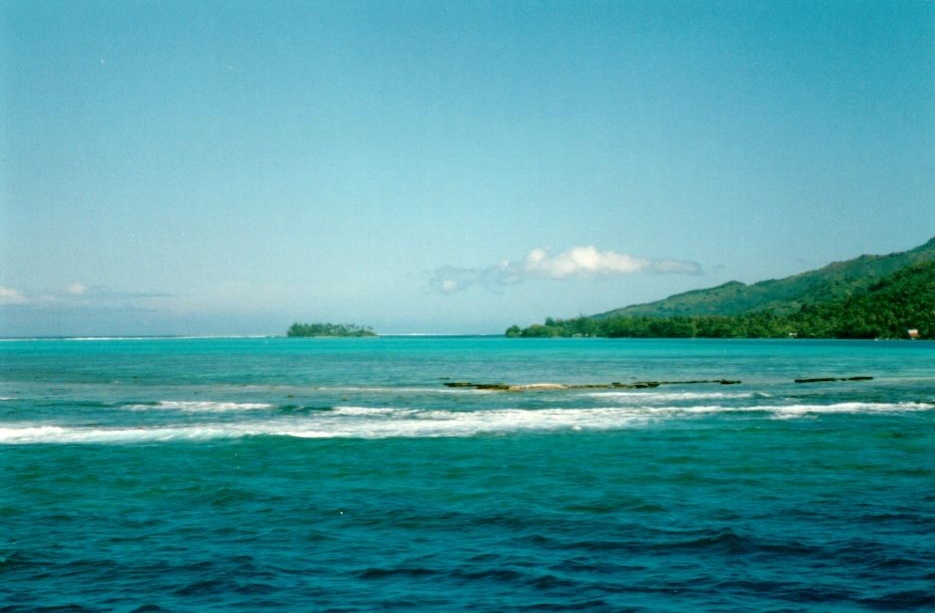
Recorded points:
(231, 167)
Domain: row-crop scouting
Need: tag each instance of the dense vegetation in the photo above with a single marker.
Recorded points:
(787, 296)
(299, 330)
(886, 309)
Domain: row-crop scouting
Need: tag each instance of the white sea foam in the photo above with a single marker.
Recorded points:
(661, 397)
(362, 422)
(44, 434)
(389, 422)
(201, 406)
(795, 410)
(372, 411)
(32, 434)
(347, 422)
(801, 410)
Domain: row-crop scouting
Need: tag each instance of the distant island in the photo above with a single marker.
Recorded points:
(869, 297)
(325, 329)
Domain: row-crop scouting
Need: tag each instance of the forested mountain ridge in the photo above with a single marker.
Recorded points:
(890, 308)
(842, 300)
(835, 281)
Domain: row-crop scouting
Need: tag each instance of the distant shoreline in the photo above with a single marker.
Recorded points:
(240, 336)
(420, 335)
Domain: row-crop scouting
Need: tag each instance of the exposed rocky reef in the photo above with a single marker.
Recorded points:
(531, 387)
(507, 387)
(826, 379)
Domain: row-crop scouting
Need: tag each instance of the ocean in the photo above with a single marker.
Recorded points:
(377, 474)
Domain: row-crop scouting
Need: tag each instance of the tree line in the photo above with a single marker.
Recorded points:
(327, 329)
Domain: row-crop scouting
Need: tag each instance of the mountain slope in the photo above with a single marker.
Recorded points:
(835, 281)
(890, 308)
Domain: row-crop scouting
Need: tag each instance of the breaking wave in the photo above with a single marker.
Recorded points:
(401, 422)
(201, 406)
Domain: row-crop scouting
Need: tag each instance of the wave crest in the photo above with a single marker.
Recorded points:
(397, 422)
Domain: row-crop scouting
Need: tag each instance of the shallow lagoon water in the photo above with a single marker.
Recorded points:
(343, 475)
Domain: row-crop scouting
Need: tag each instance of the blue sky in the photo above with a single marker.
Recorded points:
(233, 167)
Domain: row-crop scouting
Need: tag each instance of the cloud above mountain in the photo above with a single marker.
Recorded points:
(578, 262)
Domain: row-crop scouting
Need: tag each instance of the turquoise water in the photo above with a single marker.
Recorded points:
(343, 475)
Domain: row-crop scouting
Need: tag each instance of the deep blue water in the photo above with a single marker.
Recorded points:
(343, 475)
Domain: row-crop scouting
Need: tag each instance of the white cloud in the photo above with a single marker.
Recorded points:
(583, 261)
(77, 289)
(11, 296)
(75, 295)
(577, 262)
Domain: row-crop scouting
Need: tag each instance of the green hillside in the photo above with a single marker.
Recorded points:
(902, 301)
(783, 296)
(868, 297)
